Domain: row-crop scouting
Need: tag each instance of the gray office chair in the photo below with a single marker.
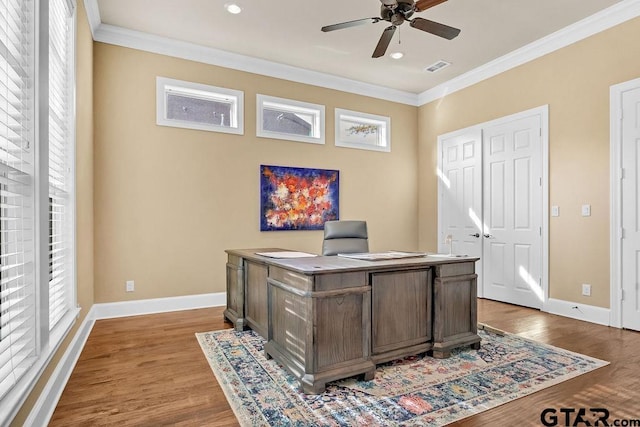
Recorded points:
(342, 237)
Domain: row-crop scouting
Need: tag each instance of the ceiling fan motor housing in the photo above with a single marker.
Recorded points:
(396, 12)
(406, 8)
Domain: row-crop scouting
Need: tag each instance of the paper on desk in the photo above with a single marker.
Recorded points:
(378, 256)
(286, 254)
(447, 255)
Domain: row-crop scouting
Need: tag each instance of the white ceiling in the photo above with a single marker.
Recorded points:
(288, 32)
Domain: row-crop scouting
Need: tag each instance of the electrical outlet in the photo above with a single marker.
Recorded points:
(586, 289)
(130, 286)
(586, 210)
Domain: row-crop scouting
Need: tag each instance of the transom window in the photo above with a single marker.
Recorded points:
(198, 106)
(291, 120)
(362, 130)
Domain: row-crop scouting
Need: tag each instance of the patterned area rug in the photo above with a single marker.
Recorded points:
(417, 390)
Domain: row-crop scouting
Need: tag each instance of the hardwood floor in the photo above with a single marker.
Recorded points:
(146, 371)
(150, 371)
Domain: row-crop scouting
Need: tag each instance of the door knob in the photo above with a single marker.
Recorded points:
(488, 236)
(476, 235)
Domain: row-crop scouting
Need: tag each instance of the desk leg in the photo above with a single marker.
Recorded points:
(369, 375)
(455, 320)
(441, 354)
(234, 312)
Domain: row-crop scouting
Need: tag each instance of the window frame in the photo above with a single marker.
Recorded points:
(47, 340)
(382, 123)
(165, 86)
(292, 106)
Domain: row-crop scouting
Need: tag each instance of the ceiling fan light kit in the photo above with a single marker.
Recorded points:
(397, 12)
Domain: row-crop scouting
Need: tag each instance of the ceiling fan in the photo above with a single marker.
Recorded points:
(396, 12)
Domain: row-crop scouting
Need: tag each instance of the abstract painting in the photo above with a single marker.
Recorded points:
(297, 198)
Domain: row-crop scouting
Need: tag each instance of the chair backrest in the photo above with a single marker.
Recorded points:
(343, 237)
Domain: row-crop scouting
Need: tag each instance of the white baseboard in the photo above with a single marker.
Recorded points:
(158, 305)
(48, 400)
(45, 405)
(588, 313)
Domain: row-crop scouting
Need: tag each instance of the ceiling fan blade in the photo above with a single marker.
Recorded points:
(350, 24)
(384, 41)
(435, 28)
(426, 4)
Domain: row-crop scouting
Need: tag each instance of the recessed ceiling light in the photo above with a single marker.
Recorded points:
(233, 8)
(397, 55)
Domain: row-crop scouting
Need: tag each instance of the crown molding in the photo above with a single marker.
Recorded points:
(190, 51)
(621, 12)
(93, 15)
(603, 20)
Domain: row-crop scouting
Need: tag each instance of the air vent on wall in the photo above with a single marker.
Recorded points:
(437, 66)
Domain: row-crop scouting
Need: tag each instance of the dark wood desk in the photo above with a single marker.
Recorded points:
(327, 318)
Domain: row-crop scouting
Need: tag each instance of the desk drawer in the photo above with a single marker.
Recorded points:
(287, 277)
(331, 282)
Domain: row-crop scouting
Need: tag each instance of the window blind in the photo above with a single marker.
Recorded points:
(17, 132)
(60, 142)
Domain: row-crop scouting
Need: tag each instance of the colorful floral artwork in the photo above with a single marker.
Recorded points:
(297, 198)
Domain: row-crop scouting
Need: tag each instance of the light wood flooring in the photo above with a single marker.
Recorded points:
(150, 371)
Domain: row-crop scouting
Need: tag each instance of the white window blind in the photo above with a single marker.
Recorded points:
(37, 295)
(60, 155)
(17, 289)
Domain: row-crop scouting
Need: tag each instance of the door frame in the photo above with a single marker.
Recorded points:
(543, 112)
(615, 194)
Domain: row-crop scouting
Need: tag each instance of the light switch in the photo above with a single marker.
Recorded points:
(586, 210)
(555, 210)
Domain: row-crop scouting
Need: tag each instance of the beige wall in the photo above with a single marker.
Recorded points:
(574, 82)
(169, 201)
(84, 197)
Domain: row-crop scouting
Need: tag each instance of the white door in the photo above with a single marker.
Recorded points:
(512, 214)
(631, 208)
(460, 195)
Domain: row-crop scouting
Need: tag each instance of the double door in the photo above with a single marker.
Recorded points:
(490, 204)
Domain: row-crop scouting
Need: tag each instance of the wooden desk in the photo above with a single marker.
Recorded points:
(327, 318)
